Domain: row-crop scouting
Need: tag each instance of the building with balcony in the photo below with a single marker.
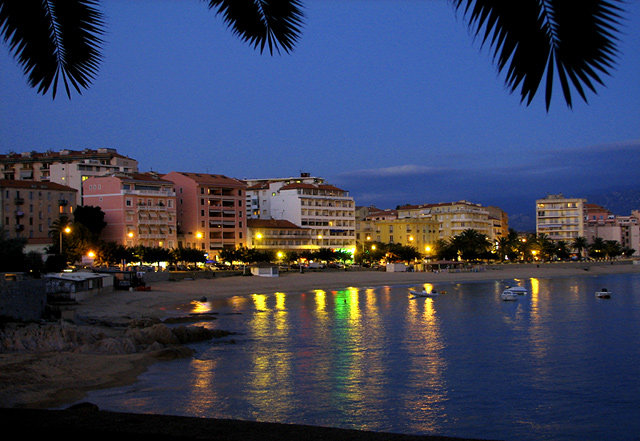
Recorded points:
(139, 208)
(602, 223)
(420, 233)
(560, 218)
(308, 202)
(210, 210)
(66, 167)
(278, 235)
(453, 218)
(28, 210)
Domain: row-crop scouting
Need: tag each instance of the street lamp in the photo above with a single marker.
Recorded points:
(67, 230)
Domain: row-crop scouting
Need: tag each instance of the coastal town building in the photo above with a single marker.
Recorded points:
(308, 202)
(565, 219)
(420, 233)
(66, 167)
(452, 218)
(210, 211)
(602, 223)
(278, 235)
(28, 209)
(366, 218)
(560, 218)
(139, 208)
(499, 221)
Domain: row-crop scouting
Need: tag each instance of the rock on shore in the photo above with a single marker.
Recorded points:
(64, 336)
(44, 365)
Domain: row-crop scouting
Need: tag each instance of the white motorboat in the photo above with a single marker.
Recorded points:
(521, 290)
(508, 295)
(604, 293)
(424, 293)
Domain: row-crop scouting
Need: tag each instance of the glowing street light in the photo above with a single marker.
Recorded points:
(67, 230)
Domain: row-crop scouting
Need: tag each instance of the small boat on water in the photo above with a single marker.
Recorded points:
(509, 295)
(425, 293)
(604, 293)
(520, 290)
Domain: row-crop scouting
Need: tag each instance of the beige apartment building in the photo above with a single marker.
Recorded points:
(66, 167)
(560, 218)
(28, 210)
(278, 235)
(210, 211)
(139, 208)
(453, 218)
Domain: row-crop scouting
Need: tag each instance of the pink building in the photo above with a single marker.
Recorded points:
(210, 210)
(28, 209)
(140, 208)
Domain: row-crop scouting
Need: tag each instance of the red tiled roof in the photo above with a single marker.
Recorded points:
(296, 185)
(10, 183)
(209, 179)
(271, 223)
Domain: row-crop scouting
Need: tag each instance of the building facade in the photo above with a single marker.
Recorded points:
(66, 167)
(420, 233)
(277, 235)
(560, 218)
(308, 202)
(602, 223)
(453, 218)
(139, 208)
(210, 211)
(28, 209)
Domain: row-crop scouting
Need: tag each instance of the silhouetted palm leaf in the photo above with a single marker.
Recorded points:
(275, 23)
(574, 39)
(54, 39)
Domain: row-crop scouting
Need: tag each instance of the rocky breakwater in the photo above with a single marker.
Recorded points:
(52, 363)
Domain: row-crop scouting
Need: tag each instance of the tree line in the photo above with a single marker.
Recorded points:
(471, 245)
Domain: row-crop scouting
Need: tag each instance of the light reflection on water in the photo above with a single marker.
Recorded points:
(556, 364)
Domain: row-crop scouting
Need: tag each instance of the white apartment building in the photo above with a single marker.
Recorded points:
(560, 218)
(308, 202)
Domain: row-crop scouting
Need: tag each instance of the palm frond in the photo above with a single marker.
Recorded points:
(54, 40)
(272, 23)
(573, 39)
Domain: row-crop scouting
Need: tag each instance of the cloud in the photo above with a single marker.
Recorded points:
(395, 171)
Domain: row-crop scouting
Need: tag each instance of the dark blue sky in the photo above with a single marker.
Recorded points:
(389, 99)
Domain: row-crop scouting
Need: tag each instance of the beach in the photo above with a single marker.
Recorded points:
(54, 379)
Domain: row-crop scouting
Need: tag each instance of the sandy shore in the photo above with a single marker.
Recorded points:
(54, 380)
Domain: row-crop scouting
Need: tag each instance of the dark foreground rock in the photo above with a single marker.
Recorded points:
(87, 422)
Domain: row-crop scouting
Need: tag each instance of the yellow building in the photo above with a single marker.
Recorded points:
(453, 218)
(420, 233)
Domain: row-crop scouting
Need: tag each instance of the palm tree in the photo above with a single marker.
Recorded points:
(580, 244)
(531, 40)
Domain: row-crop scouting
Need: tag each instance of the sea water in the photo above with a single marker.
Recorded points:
(556, 364)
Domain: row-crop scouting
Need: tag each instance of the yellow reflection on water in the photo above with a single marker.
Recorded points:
(280, 298)
(535, 293)
(270, 367)
(427, 362)
(200, 307)
(321, 300)
(203, 393)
